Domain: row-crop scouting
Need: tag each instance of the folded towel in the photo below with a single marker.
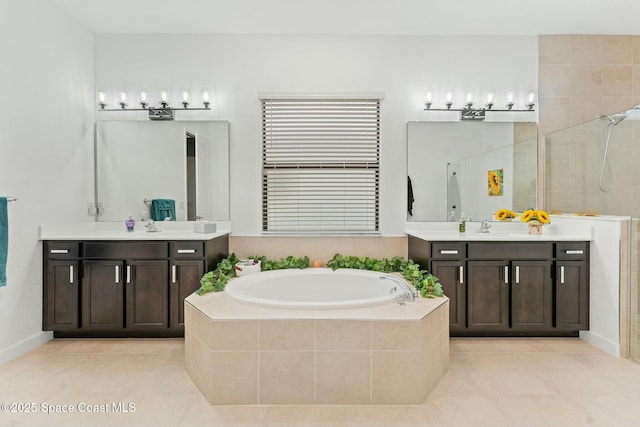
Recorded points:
(163, 208)
(4, 240)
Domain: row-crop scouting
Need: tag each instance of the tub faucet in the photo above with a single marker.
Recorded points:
(409, 293)
(484, 227)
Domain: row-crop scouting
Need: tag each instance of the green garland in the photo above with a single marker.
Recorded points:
(422, 280)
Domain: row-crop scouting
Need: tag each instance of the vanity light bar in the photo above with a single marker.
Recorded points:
(163, 112)
(469, 112)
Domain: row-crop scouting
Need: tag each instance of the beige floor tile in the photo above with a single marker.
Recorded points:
(305, 416)
(387, 416)
(200, 414)
(490, 382)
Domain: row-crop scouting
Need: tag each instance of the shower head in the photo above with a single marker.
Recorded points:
(614, 119)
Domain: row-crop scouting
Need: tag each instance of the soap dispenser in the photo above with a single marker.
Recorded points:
(130, 223)
(462, 226)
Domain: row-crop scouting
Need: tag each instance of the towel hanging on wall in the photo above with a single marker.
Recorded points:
(4, 240)
(162, 209)
(410, 198)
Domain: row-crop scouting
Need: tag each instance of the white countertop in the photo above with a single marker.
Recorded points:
(500, 232)
(170, 230)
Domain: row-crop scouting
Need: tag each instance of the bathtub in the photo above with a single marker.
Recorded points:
(314, 288)
(240, 353)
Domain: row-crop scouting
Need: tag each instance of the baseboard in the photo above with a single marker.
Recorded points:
(604, 344)
(24, 346)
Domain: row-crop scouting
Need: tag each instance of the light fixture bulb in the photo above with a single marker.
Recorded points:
(123, 100)
(185, 98)
(448, 100)
(490, 99)
(102, 100)
(144, 99)
(509, 104)
(205, 98)
(531, 98)
(469, 100)
(429, 100)
(164, 99)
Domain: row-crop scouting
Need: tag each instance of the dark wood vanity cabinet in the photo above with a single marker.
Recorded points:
(510, 288)
(123, 288)
(61, 279)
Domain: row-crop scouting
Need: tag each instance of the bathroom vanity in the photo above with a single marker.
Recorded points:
(509, 284)
(106, 283)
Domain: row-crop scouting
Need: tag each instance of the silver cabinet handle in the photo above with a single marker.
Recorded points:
(128, 274)
(117, 274)
(443, 252)
(71, 274)
(517, 274)
(574, 252)
(506, 274)
(562, 274)
(173, 274)
(462, 274)
(186, 251)
(59, 251)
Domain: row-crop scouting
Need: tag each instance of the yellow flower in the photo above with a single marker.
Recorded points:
(535, 215)
(527, 215)
(503, 214)
(543, 217)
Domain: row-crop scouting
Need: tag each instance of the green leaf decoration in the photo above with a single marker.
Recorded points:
(427, 284)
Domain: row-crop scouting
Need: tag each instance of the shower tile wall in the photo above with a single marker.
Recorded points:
(581, 77)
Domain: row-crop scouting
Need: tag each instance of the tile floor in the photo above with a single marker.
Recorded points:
(490, 382)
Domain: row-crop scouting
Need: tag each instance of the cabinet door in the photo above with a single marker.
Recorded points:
(451, 276)
(572, 295)
(102, 295)
(185, 279)
(147, 295)
(531, 295)
(62, 296)
(487, 295)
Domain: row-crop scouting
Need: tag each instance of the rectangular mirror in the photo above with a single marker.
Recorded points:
(450, 165)
(184, 161)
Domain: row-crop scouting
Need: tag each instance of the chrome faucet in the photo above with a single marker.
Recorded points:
(484, 227)
(151, 226)
(409, 293)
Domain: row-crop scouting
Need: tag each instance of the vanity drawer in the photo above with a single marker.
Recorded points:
(128, 250)
(505, 251)
(63, 250)
(448, 250)
(187, 249)
(573, 250)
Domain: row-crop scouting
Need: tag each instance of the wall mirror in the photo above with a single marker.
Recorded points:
(184, 161)
(452, 165)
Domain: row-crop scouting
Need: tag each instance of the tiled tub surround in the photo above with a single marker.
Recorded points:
(385, 355)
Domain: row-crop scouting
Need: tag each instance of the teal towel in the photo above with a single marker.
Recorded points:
(4, 240)
(163, 208)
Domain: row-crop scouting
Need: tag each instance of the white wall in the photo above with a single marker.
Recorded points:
(46, 115)
(238, 67)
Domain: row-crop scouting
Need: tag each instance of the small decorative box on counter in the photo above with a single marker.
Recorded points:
(204, 227)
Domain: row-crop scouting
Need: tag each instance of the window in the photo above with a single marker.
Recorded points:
(320, 165)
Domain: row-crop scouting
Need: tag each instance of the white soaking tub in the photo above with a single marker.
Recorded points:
(315, 288)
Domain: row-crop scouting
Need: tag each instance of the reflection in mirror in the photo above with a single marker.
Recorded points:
(450, 165)
(186, 162)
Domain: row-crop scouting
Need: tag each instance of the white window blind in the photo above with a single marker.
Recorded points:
(320, 165)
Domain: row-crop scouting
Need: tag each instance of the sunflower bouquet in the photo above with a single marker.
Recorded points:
(535, 215)
(505, 215)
